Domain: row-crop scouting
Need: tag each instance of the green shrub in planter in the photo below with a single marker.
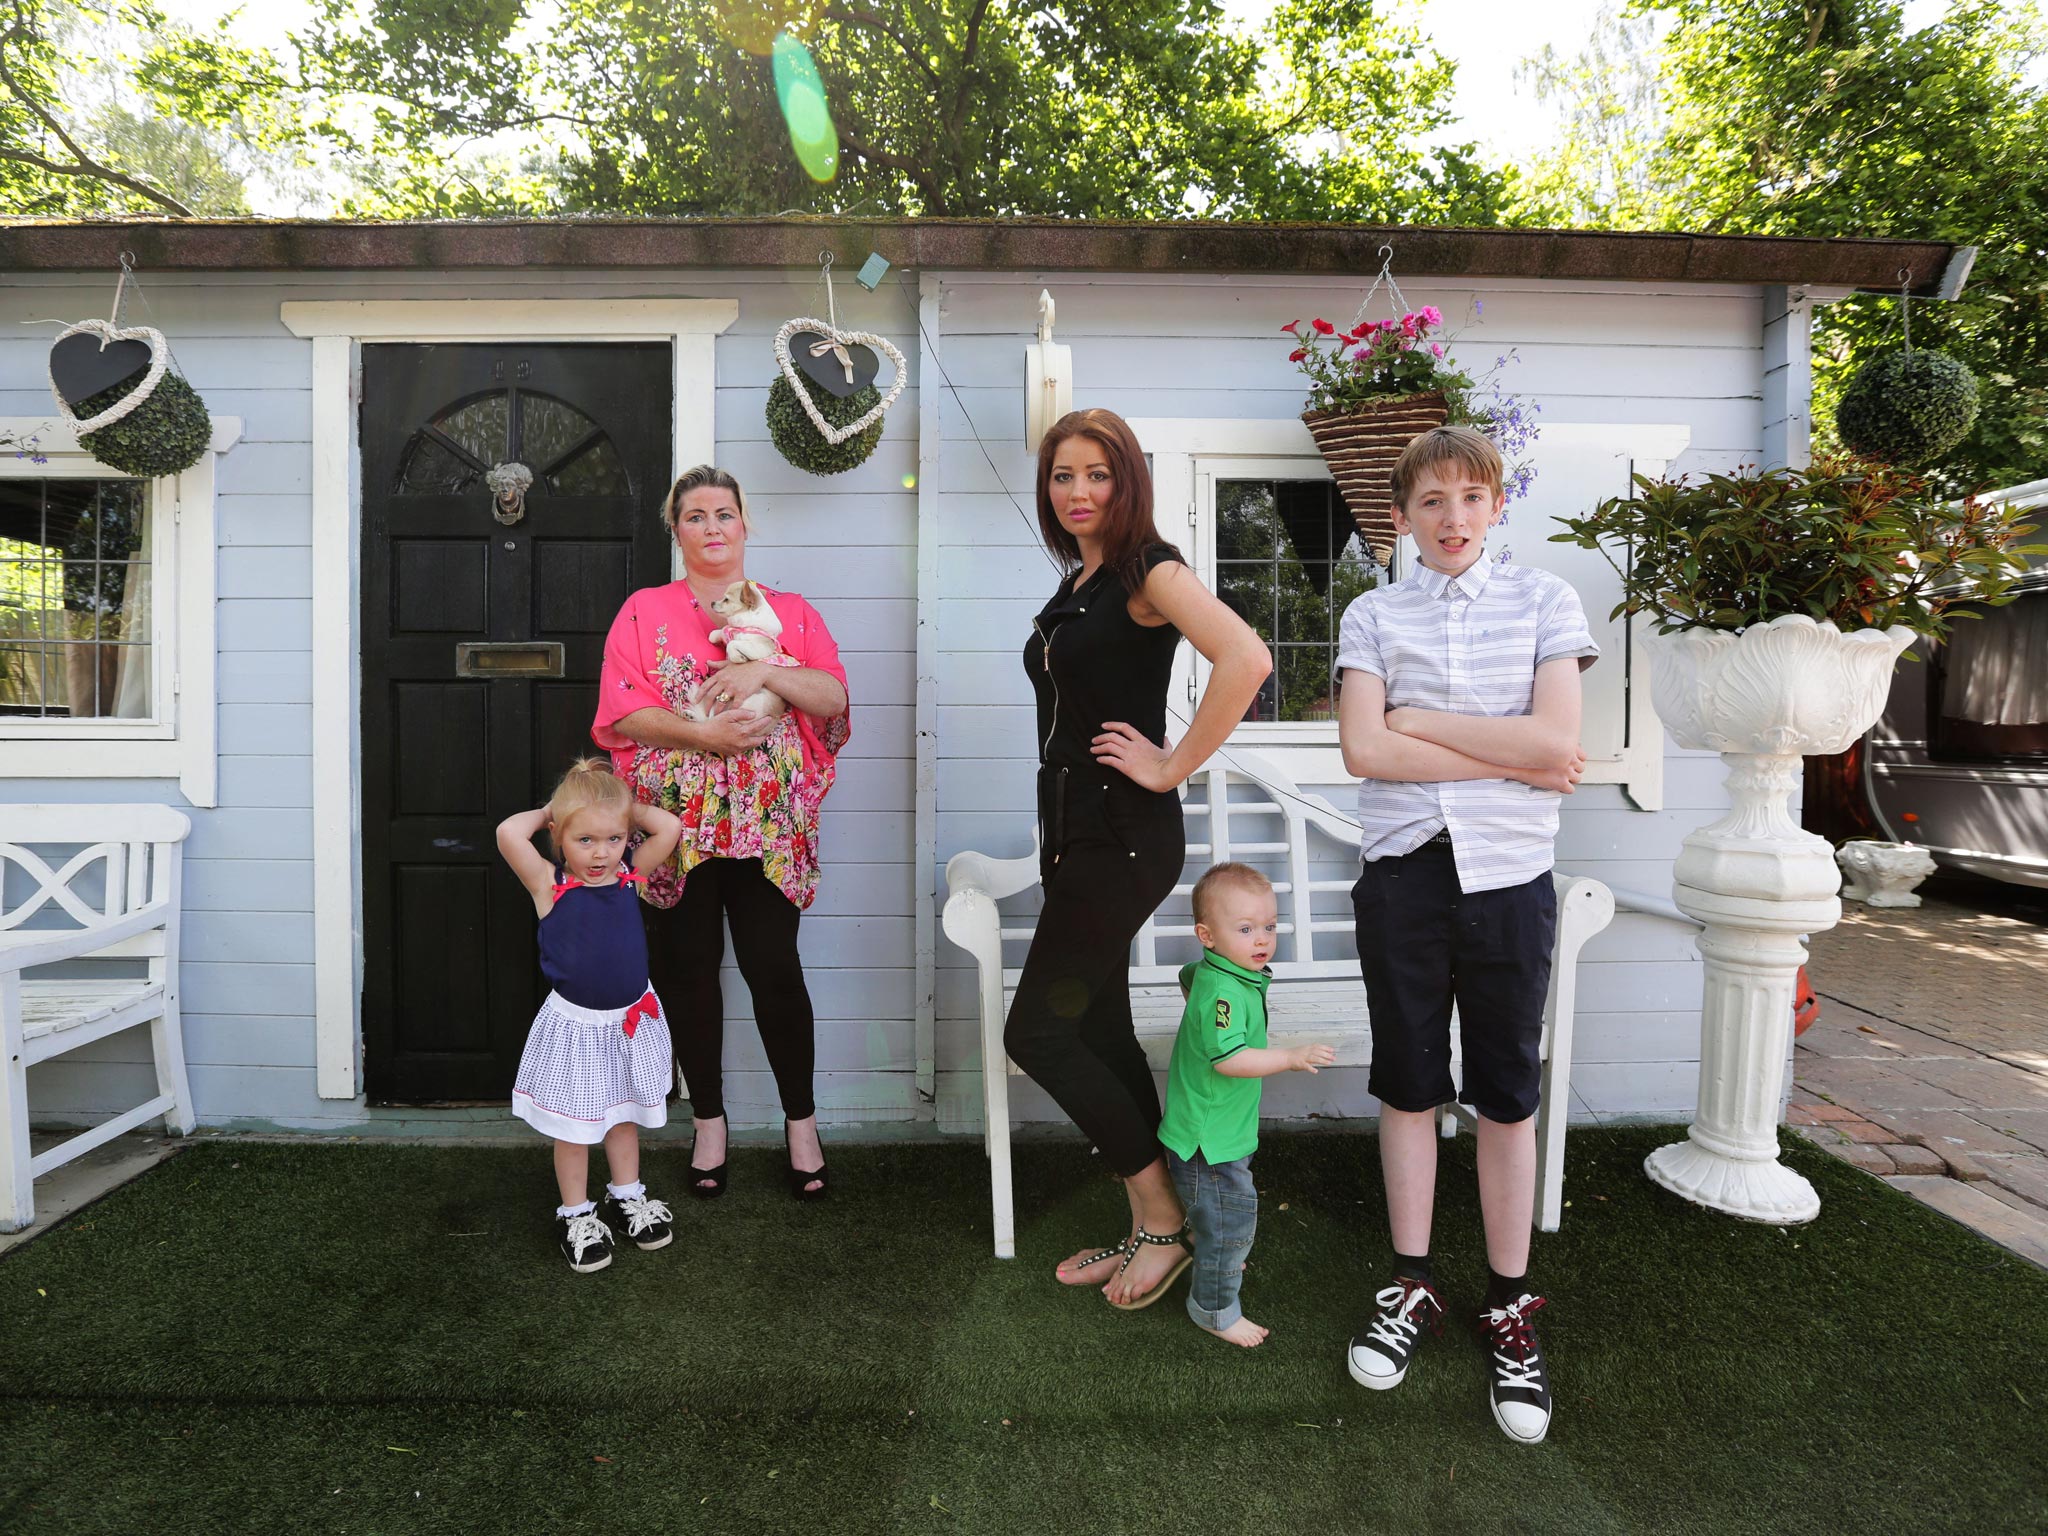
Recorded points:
(796, 437)
(1907, 408)
(1847, 543)
(164, 435)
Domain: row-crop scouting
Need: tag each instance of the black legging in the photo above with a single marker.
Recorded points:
(685, 944)
(1120, 849)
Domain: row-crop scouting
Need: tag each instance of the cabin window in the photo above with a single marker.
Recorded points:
(108, 588)
(75, 585)
(1990, 682)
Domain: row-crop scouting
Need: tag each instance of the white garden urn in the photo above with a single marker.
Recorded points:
(1883, 874)
(1762, 698)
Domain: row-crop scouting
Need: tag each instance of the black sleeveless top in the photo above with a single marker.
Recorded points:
(1090, 662)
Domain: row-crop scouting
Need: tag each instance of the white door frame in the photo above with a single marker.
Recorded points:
(337, 329)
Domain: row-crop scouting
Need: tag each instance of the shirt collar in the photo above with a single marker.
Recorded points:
(1471, 582)
(1258, 979)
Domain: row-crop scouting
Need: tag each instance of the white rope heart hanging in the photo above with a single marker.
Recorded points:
(159, 361)
(836, 341)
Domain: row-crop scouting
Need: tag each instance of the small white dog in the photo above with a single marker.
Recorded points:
(748, 634)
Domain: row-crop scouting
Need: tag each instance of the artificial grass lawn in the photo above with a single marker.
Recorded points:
(272, 1337)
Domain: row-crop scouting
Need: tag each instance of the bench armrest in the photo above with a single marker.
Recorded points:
(19, 951)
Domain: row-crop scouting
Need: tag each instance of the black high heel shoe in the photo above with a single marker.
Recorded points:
(709, 1183)
(800, 1178)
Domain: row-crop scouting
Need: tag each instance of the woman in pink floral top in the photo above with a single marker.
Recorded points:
(747, 788)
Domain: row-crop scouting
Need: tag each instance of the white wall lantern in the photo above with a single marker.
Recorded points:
(1048, 379)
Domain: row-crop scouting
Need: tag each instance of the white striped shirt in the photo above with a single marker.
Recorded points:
(1465, 645)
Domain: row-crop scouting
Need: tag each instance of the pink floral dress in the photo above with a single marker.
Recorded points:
(761, 804)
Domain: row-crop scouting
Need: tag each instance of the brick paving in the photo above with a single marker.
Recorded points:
(1928, 1065)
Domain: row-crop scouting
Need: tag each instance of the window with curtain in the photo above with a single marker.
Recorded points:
(1991, 683)
(75, 597)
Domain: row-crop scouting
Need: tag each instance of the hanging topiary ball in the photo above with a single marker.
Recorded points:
(1907, 408)
(796, 437)
(165, 435)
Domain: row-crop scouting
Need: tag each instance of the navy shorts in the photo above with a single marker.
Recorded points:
(1424, 944)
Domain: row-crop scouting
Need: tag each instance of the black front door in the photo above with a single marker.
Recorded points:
(482, 640)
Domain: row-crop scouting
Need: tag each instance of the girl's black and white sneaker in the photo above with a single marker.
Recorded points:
(1379, 1354)
(1519, 1386)
(646, 1221)
(585, 1240)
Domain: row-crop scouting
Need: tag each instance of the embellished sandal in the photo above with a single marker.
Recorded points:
(1184, 1237)
(1123, 1250)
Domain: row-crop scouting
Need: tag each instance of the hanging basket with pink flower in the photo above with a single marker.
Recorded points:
(1377, 386)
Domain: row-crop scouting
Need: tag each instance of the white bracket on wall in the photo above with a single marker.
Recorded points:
(1048, 378)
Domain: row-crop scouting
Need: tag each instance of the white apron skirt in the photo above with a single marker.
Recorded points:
(581, 1073)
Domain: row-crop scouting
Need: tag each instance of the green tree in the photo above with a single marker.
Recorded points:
(78, 137)
(1095, 108)
(1830, 118)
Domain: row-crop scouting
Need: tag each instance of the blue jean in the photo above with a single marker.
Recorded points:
(1223, 1209)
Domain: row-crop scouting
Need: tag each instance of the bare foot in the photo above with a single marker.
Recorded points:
(708, 1151)
(1155, 1261)
(1244, 1331)
(1073, 1272)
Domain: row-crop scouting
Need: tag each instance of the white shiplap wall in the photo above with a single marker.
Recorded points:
(1187, 347)
(1199, 347)
(848, 543)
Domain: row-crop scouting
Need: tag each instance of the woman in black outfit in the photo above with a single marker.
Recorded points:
(1112, 840)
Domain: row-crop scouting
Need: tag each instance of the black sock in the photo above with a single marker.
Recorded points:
(1413, 1268)
(1504, 1290)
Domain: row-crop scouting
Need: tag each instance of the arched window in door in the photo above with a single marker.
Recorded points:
(569, 454)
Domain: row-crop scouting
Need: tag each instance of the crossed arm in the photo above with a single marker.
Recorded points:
(1409, 745)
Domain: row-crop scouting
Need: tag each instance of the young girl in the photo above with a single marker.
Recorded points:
(597, 1062)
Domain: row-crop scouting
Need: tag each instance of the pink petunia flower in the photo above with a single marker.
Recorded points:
(1437, 347)
(1431, 315)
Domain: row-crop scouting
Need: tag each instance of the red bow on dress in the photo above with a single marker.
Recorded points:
(626, 877)
(647, 1008)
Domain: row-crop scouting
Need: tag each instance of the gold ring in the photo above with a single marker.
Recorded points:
(725, 698)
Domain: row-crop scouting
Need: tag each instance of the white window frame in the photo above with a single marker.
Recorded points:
(179, 740)
(338, 330)
(1189, 455)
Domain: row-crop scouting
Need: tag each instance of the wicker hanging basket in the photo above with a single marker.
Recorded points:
(1360, 444)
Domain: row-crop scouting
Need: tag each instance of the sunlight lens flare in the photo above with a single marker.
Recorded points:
(802, 95)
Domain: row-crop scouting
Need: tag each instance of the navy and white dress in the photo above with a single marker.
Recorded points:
(598, 1054)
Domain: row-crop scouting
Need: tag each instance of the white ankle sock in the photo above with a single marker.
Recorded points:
(633, 1191)
(576, 1210)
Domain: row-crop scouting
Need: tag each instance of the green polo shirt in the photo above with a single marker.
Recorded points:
(1206, 1111)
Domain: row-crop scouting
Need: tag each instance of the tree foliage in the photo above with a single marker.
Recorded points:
(1095, 108)
(1830, 118)
(78, 135)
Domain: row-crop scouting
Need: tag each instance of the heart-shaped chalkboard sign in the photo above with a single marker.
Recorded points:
(841, 368)
(81, 367)
(854, 342)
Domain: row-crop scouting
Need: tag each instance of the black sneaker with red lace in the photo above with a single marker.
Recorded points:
(1379, 1352)
(1518, 1384)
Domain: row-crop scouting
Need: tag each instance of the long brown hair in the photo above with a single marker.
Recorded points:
(1127, 526)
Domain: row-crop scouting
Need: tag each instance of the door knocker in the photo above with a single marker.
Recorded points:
(508, 483)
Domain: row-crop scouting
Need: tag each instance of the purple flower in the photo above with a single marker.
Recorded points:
(1478, 306)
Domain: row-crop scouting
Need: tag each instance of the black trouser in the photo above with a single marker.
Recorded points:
(685, 944)
(1110, 853)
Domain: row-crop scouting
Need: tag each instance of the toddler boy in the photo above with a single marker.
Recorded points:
(1211, 1126)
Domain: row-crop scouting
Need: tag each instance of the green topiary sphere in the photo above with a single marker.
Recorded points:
(796, 436)
(1907, 408)
(164, 435)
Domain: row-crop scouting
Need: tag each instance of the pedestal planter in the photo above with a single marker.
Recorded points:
(1360, 444)
(1762, 699)
(1882, 874)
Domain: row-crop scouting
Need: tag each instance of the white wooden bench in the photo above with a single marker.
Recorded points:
(1322, 997)
(120, 889)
